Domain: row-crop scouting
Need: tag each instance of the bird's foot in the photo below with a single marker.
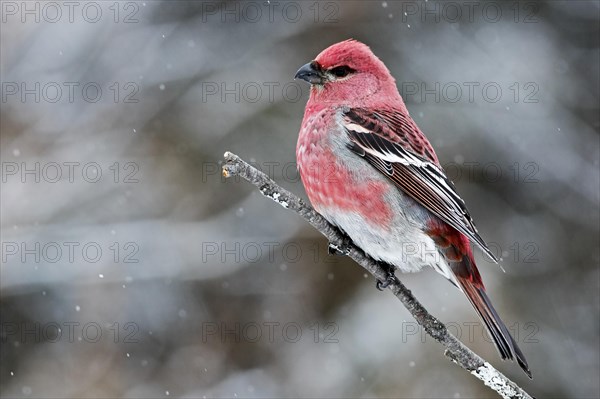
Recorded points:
(391, 277)
(342, 249)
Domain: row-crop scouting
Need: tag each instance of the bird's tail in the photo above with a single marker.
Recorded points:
(504, 341)
(461, 270)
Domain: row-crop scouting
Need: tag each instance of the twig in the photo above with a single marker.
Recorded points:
(455, 350)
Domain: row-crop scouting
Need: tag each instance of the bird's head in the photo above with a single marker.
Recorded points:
(348, 73)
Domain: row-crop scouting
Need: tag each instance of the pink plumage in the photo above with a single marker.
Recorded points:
(368, 169)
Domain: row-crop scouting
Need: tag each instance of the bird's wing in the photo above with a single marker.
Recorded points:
(392, 143)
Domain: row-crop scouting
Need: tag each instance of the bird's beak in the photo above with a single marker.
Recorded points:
(312, 73)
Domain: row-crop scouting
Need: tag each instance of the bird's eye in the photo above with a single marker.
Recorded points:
(341, 71)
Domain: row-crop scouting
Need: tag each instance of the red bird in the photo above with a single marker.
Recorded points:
(369, 170)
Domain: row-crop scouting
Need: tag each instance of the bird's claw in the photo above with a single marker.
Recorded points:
(381, 285)
(333, 249)
(341, 249)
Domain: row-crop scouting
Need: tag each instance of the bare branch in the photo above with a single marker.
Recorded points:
(455, 350)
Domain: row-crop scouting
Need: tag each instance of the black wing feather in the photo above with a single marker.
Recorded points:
(417, 176)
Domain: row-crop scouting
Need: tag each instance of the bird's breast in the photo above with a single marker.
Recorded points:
(334, 177)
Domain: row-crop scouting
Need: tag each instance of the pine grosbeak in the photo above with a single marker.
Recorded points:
(369, 170)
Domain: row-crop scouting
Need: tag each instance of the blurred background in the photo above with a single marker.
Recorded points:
(131, 268)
